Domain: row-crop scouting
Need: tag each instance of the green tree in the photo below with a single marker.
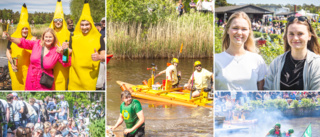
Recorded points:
(97, 8)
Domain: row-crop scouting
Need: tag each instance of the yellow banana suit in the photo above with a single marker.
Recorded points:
(18, 79)
(84, 71)
(60, 73)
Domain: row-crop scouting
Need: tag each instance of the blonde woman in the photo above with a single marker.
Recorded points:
(298, 68)
(45, 47)
(239, 67)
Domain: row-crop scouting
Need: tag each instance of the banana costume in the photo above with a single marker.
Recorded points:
(60, 73)
(84, 71)
(18, 79)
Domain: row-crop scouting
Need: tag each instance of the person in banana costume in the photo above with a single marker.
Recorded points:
(18, 78)
(88, 48)
(59, 25)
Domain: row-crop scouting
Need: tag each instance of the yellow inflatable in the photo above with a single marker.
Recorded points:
(84, 71)
(18, 79)
(61, 74)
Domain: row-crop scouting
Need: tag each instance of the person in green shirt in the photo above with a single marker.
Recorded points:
(288, 134)
(132, 114)
(275, 132)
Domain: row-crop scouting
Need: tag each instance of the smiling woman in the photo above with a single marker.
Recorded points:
(239, 67)
(45, 50)
(298, 68)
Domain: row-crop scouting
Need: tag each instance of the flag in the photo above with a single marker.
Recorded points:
(308, 132)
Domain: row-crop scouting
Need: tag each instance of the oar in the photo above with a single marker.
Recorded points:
(168, 64)
(191, 85)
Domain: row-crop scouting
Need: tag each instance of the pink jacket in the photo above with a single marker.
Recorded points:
(34, 70)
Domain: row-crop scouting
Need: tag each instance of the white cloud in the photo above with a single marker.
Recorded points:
(35, 5)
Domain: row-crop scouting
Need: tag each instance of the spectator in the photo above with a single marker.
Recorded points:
(75, 110)
(52, 110)
(180, 8)
(5, 116)
(64, 110)
(70, 25)
(103, 27)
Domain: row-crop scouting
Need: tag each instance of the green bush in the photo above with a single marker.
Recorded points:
(97, 128)
(308, 103)
(271, 51)
(257, 34)
(295, 104)
(270, 105)
(218, 39)
(256, 104)
(281, 104)
(283, 21)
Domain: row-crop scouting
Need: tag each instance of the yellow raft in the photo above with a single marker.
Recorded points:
(178, 96)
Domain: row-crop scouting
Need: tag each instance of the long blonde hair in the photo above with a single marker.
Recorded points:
(312, 45)
(250, 43)
(55, 41)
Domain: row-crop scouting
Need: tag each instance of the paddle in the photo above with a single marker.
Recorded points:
(191, 85)
(168, 64)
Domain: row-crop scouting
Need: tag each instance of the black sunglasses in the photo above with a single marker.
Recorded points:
(300, 18)
(56, 20)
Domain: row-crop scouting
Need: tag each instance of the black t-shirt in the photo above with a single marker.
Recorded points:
(292, 74)
(102, 44)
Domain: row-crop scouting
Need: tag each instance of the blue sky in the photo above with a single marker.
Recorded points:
(298, 2)
(35, 5)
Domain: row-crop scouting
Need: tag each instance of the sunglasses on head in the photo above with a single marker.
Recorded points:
(300, 18)
(56, 20)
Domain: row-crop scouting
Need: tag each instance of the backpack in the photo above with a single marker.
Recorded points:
(11, 112)
(24, 114)
(36, 109)
(2, 113)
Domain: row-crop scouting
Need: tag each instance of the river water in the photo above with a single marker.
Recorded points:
(161, 119)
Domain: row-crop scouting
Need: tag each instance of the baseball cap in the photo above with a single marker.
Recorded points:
(104, 18)
(14, 94)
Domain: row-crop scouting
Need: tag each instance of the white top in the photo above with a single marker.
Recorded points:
(64, 107)
(174, 75)
(239, 72)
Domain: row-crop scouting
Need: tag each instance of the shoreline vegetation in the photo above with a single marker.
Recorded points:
(36, 30)
(164, 39)
(153, 30)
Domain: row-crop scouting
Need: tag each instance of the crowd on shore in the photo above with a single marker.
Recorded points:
(47, 117)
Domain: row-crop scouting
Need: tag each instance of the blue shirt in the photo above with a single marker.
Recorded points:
(293, 96)
(75, 112)
(51, 106)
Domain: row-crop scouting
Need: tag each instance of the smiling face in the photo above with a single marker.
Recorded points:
(48, 39)
(58, 23)
(127, 100)
(238, 32)
(198, 68)
(298, 36)
(85, 27)
(24, 32)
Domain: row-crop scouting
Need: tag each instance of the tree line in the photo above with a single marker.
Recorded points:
(97, 9)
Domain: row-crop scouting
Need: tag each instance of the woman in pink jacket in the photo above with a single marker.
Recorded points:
(52, 54)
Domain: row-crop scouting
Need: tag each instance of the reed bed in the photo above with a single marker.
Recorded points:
(163, 40)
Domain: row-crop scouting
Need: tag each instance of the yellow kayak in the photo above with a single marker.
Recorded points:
(178, 96)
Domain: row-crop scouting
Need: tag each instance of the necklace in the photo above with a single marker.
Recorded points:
(298, 63)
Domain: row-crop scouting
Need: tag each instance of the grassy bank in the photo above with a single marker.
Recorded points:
(163, 40)
(36, 30)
